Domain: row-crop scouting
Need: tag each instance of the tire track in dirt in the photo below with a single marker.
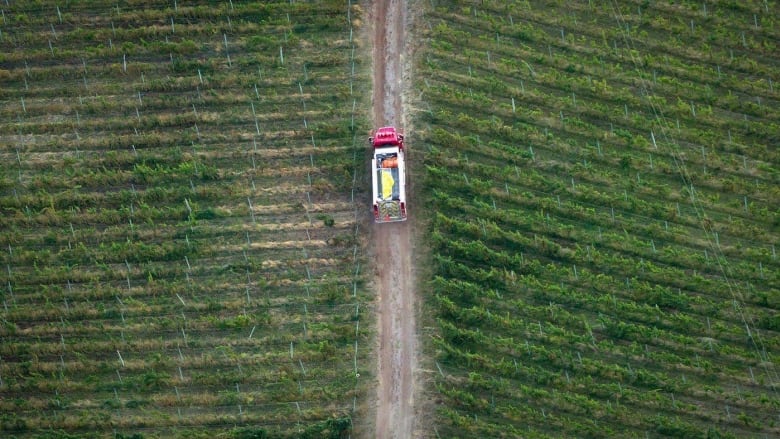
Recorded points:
(396, 331)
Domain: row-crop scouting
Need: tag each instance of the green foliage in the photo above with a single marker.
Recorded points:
(140, 292)
(60, 434)
(249, 433)
(237, 322)
(578, 287)
(208, 213)
(676, 428)
(332, 428)
(326, 219)
(333, 292)
(11, 422)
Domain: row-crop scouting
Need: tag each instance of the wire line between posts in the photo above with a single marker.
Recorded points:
(356, 162)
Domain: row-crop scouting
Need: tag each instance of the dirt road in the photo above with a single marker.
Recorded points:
(397, 350)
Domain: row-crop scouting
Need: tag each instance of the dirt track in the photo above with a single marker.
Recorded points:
(397, 348)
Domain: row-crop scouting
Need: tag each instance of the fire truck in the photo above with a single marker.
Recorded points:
(388, 176)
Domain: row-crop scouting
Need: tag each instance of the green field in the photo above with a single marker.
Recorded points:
(182, 216)
(180, 220)
(605, 182)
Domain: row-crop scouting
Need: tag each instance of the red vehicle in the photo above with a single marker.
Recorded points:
(388, 175)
